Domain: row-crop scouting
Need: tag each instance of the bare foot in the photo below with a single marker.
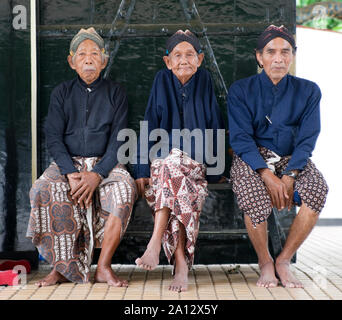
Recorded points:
(106, 274)
(150, 258)
(267, 278)
(286, 276)
(180, 280)
(52, 278)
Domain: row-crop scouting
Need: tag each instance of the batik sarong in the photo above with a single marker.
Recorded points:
(178, 183)
(251, 193)
(65, 234)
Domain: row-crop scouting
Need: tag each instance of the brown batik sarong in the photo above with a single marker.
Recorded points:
(178, 183)
(251, 193)
(65, 234)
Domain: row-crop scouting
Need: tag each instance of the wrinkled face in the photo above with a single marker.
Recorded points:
(183, 61)
(276, 58)
(88, 61)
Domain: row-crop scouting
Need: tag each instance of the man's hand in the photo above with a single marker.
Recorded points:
(73, 179)
(83, 191)
(141, 183)
(289, 183)
(276, 188)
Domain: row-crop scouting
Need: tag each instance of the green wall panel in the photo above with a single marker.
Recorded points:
(15, 130)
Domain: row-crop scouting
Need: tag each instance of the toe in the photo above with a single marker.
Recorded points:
(274, 284)
(172, 288)
(124, 283)
(43, 284)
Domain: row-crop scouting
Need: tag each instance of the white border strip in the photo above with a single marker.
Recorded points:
(33, 88)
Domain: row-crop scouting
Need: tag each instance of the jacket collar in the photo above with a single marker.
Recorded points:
(266, 81)
(92, 86)
(179, 84)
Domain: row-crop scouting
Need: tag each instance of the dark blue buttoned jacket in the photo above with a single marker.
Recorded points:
(284, 118)
(172, 105)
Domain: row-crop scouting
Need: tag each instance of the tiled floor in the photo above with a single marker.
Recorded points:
(319, 267)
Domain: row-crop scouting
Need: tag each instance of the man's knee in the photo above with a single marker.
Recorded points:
(113, 220)
(40, 191)
(308, 212)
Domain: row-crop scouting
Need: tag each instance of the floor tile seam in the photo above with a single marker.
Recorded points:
(310, 243)
(212, 282)
(129, 278)
(314, 261)
(51, 293)
(196, 284)
(312, 280)
(17, 290)
(230, 281)
(330, 281)
(312, 256)
(323, 241)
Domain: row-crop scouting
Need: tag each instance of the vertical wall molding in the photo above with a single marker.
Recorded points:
(33, 37)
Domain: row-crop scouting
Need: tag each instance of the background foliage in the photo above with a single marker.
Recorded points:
(328, 22)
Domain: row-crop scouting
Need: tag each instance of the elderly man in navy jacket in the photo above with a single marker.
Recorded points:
(85, 197)
(182, 99)
(274, 122)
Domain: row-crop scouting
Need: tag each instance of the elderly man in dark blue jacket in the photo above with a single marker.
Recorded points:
(274, 122)
(182, 99)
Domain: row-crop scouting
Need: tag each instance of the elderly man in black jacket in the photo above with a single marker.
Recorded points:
(85, 197)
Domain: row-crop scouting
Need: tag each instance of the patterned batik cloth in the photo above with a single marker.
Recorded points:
(65, 234)
(178, 183)
(251, 193)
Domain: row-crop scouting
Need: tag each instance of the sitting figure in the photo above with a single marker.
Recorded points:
(84, 199)
(274, 122)
(175, 183)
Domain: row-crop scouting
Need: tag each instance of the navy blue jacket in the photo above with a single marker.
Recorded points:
(174, 106)
(84, 120)
(284, 118)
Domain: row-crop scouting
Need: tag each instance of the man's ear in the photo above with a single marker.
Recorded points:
(259, 59)
(200, 59)
(104, 63)
(167, 62)
(71, 64)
